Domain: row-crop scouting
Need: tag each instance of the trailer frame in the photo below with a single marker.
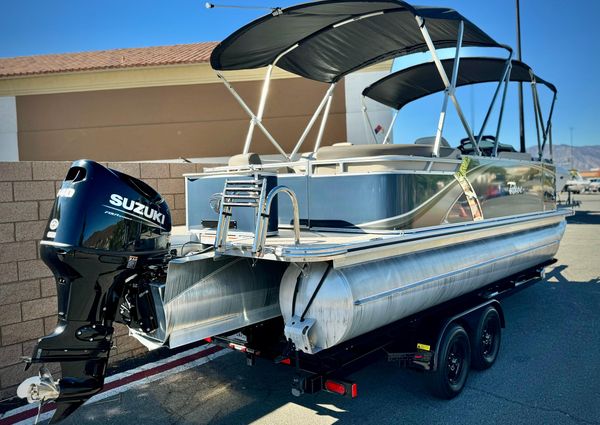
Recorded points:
(413, 342)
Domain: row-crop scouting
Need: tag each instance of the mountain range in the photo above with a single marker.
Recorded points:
(584, 158)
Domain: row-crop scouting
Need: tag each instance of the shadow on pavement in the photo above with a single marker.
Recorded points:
(584, 217)
(226, 391)
(556, 273)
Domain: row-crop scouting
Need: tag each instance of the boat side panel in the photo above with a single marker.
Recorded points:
(408, 201)
(393, 200)
(203, 192)
(512, 187)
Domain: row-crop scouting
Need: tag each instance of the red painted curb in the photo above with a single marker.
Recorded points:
(30, 413)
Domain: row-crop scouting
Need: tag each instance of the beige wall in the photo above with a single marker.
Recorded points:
(200, 120)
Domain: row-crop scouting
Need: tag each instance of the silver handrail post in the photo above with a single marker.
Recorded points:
(389, 132)
(313, 119)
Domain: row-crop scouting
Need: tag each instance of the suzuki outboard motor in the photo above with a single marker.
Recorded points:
(108, 233)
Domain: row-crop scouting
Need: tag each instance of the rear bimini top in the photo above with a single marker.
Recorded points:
(314, 41)
(402, 87)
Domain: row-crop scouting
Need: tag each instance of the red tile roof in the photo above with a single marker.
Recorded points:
(107, 59)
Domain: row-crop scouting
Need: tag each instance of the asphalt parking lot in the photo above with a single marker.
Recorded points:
(548, 371)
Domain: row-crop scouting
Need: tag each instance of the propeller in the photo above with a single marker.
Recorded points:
(39, 389)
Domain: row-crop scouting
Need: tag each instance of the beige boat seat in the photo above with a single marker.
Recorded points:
(431, 141)
(376, 164)
(244, 159)
(356, 151)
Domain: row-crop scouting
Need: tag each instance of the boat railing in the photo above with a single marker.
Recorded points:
(340, 162)
(252, 193)
(262, 219)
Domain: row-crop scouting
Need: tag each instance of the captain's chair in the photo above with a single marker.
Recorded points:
(431, 141)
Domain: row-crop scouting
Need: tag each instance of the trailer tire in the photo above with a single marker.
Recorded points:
(454, 361)
(486, 340)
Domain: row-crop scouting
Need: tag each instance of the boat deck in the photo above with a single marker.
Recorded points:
(347, 248)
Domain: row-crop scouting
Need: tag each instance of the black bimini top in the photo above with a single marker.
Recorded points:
(336, 37)
(406, 85)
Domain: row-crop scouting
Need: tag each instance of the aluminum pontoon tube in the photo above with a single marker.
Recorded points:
(205, 296)
(354, 300)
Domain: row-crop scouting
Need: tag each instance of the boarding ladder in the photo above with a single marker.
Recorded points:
(252, 193)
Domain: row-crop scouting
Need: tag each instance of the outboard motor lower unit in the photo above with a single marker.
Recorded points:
(107, 235)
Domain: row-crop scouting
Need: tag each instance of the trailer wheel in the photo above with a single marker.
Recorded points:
(454, 361)
(486, 341)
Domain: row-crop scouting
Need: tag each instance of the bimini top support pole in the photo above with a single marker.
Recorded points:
(253, 117)
(537, 112)
(501, 114)
(323, 123)
(450, 85)
(550, 141)
(369, 131)
(548, 132)
(389, 132)
(494, 97)
(263, 99)
(313, 119)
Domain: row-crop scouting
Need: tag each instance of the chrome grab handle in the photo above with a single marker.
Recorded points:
(262, 219)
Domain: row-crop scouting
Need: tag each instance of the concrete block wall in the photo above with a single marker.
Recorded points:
(27, 287)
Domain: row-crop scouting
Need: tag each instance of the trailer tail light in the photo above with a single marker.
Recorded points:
(335, 387)
(209, 340)
(237, 347)
(354, 391)
(347, 389)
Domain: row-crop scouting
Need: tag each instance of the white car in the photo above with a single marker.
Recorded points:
(577, 184)
(594, 185)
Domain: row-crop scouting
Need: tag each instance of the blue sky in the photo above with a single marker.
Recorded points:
(559, 42)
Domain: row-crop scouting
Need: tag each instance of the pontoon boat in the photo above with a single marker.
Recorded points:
(334, 240)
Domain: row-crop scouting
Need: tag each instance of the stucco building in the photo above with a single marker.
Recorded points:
(159, 103)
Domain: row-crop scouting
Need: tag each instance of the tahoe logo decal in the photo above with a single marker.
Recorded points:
(129, 206)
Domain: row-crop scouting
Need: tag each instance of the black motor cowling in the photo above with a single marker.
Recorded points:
(107, 230)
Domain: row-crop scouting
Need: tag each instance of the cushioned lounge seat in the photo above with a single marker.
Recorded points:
(244, 159)
(356, 151)
(431, 141)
